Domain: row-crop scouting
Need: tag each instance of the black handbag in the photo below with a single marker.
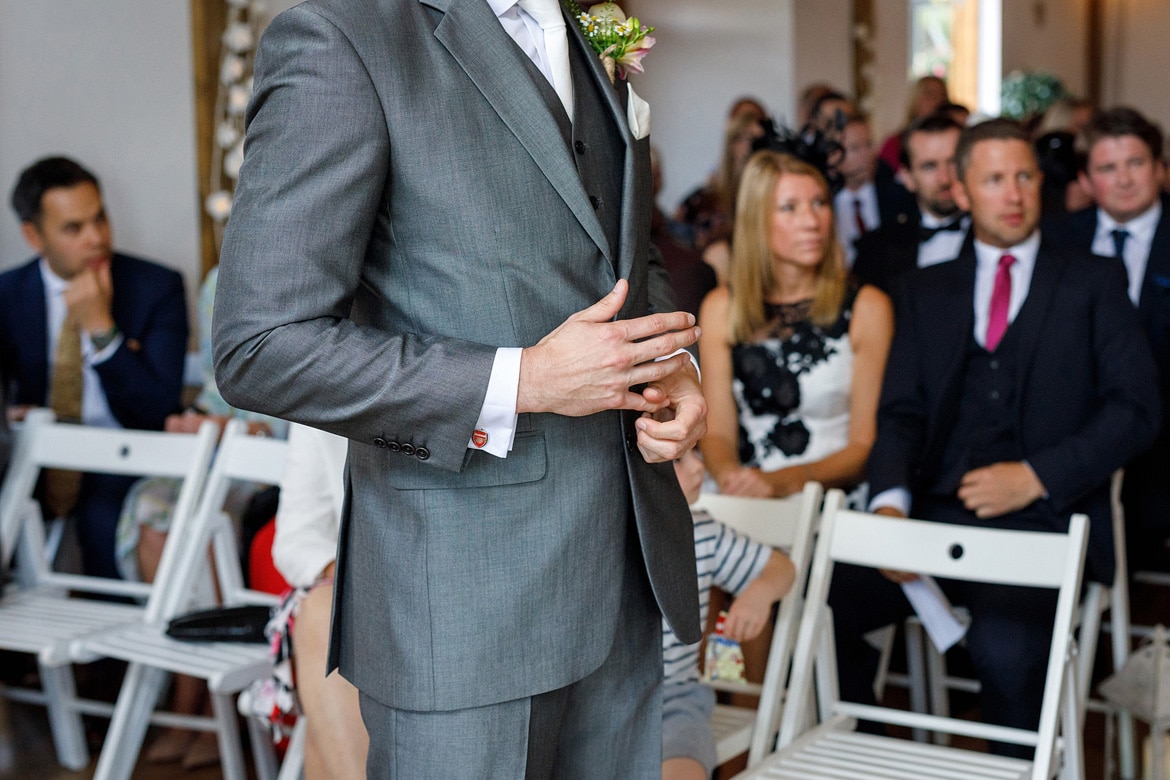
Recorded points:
(222, 624)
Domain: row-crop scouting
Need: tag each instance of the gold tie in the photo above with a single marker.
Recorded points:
(63, 487)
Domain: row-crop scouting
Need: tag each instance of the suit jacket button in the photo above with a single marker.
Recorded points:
(380, 443)
(595, 202)
(392, 446)
(422, 453)
(579, 146)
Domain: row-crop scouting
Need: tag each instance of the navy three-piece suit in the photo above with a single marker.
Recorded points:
(142, 380)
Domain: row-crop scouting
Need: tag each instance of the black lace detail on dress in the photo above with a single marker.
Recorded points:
(769, 369)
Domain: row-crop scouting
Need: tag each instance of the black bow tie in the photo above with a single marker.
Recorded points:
(927, 233)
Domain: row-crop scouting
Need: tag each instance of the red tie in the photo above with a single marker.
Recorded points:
(861, 228)
(1001, 297)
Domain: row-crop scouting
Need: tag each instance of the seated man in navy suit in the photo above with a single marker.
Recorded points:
(1018, 381)
(99, 337)
(1123, 173)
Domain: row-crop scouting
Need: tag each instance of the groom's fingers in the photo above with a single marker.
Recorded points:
(607, 308)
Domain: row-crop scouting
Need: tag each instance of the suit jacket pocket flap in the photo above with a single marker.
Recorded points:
(527, 462)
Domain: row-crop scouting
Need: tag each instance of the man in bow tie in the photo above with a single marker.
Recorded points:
(439, 250)
(934, 231)
(1018, 381)
(1124, 172)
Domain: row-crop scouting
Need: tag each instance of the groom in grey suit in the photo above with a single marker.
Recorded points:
(439, 250)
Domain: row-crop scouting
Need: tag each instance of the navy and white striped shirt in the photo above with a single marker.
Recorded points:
(724, 558)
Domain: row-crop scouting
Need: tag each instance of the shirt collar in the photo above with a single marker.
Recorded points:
(54, 284)
(501, 7)
(1141, 227)
(1024, 252)
(931, 221)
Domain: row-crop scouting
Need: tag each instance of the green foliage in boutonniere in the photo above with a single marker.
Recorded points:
(620, 42)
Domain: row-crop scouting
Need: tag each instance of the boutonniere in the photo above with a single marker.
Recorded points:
(620, 42)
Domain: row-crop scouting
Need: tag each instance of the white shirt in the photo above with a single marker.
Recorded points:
(986, 266)
(943, 245)
(497, 416)
(523, 29)
(308, 517)
(1137, 246)
(846, 211)
(95, 409)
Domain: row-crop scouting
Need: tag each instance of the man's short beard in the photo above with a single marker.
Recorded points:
(942, 209)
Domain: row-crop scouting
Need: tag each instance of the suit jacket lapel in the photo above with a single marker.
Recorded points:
(1156, 283)
(951, 317)
(955, 315)
(472, 34)
(1034, 313)
(32, 313)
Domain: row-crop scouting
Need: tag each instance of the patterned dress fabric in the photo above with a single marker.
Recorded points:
(792, 389)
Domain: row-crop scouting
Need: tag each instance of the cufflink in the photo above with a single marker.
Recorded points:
(479, 437)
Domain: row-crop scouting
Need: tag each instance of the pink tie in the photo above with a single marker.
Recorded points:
(1001, 296)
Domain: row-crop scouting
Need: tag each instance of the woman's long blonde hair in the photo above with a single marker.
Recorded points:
(753, 279)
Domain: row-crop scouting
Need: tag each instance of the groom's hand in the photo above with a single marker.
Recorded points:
(590, 362)
(682, 420)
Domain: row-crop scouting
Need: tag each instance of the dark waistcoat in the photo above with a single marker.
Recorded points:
(986, 426)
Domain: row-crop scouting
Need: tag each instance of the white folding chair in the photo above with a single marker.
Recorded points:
(832, 749)
(1098, 598)
(227, 667)
(41, 614)
(786, 524)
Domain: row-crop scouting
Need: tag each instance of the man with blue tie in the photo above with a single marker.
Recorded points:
(98, 336)
(1018, 381)
(1124, 173)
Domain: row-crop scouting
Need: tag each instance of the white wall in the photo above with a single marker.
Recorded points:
(1047, 35)
(110, 84)
(707, 55)
(1137, 39)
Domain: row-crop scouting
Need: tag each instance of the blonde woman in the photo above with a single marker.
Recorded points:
(793, 354)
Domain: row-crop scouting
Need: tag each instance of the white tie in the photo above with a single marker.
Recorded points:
(547, 13)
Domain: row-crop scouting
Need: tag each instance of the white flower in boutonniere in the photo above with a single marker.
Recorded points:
(620, 42)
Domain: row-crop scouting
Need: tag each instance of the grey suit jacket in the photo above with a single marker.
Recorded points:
(408, 204)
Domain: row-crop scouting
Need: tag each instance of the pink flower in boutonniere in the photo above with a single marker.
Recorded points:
(620, 42)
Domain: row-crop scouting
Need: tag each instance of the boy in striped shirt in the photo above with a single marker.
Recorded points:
(758, 577)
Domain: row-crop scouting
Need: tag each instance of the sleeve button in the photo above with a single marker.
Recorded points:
(380, 443)
(392, 446)
(422, 453)
(407, 449)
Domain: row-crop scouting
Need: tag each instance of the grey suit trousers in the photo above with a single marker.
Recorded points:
(606, 725)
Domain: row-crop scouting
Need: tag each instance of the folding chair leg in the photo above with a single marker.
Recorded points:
(940, 702)
(293, 767)
(64, 719)
(140, 690)
(916, 671)
(231, 752)
(262, 749)
(1125, 746)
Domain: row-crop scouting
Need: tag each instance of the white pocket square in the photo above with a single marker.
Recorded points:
(638, 115)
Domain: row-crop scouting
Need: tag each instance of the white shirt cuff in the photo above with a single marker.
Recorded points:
(691, 355)
(496, 427)
(894, 498)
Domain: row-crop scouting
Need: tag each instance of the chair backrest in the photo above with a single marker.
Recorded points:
(1008, 557)
(241, 458)
(44, 443)
(786, 524)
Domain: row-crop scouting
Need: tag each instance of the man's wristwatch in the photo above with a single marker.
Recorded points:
(104, 338)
